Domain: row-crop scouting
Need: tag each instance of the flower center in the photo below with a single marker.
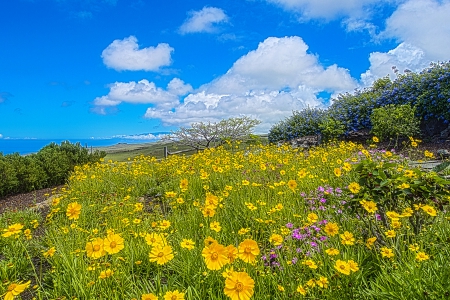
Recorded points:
(96, 247)
(174, 297)
(113, 244)
(239, 286)
(11, 287)
(248, 250)
(342, 267)
(160, 254)
(214, 256)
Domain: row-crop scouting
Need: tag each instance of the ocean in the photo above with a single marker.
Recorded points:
(28, 146)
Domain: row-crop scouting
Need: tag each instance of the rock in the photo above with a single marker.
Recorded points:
(445, 134)
(303, 142)
(443, 153)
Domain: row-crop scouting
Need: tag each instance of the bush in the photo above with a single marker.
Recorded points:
(394, 122)
(49, 167)
(301, 123)
(331, 128)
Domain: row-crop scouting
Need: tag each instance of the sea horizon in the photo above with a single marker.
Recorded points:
(29, 146)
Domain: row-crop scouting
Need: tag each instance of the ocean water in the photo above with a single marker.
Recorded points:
(28, 146)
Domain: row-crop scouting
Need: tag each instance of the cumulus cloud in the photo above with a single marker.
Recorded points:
(331, 9)
(404, 56)
(424, 24)
(126, 55)
(204, 20)
(267, 83)
(142, 92)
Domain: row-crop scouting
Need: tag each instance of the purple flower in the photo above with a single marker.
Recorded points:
(289, 225)
(321, 189)
(338, 190)
(323, 238)
(294, 260)
(298, 250)
(323, 200)
(313, 244)
(322, 207)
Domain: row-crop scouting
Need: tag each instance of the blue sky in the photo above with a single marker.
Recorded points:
(104, 68)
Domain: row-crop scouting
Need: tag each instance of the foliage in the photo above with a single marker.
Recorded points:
(301, 123)
(282, 223)
(203, 135)
(428, 91)
(394, 121)
(49, 167)
(331, 128)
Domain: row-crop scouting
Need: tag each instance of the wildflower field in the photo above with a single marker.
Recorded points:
(333, 222)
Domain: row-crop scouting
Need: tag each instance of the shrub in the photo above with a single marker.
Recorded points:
(394, 121)
(301, 123)
(331, 128)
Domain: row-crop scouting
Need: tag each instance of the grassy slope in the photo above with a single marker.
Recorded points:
(121, 152)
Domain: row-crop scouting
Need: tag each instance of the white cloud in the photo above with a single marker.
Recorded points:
(203, 20)
(267, 83)
(144, 136)
(424, 24)
(142, 92)
(331, 9)
(126, 55)
(404, 56)
(1, 136)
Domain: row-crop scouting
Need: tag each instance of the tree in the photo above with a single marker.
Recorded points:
(202, 135)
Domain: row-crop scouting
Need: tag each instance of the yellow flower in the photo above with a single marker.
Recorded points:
(312, 218)
(245, 182)
(337, 172)
(311, 283)
(12, 230)
(375, 139)
(414, 247)
(354, 187)
(429, 210)
(353, 265)
(228, 272)
(50, 252)
(292, 184)
(390, 233)
(347, 166)
(164, 224)
(331, 229)
(239, 286)
(215, 226)
(161, 254)
(347, 238)
(187, 244)
(175, 295)
(342, 267)
(170, 194)
(215, 256)
(73, 210)
(231, 252)
(370, 242)
(276, 239)
(105, 274)
(15, 289)
(310, 263)
(243, 231)
(387, 252)
(369, 206)
(322, 282)
(184, 184)
(150, 296)
(332, 251)
(280, 288)
(421, 256)
(210, 240)
(113, 243)
(301, 290)
(153, 239)
(94, 249)
(208, 212)
(403, 186)
(248, 250)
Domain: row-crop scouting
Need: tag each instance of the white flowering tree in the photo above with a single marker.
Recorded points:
(204, 135)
